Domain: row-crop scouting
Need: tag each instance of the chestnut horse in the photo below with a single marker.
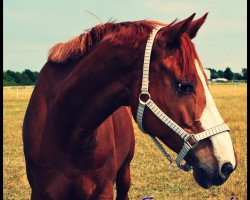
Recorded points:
(78, 136)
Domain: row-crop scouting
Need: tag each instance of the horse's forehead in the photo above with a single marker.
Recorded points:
(179, 69)
(180, 60)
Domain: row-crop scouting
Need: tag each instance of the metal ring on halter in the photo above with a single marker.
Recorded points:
(144, 93)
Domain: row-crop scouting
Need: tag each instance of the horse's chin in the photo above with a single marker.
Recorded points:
(207, 179)
(202, 180)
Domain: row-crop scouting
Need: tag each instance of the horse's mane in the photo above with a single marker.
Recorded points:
(125, 32)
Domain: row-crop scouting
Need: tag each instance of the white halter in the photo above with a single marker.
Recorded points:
(190, 140)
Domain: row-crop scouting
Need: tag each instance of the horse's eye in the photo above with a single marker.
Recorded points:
(185, 88)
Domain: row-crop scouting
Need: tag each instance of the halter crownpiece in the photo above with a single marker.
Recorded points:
(190, 140)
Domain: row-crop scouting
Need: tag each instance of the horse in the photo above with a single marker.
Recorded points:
(77, 132)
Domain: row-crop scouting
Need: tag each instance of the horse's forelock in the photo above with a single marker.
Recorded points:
(186, 57)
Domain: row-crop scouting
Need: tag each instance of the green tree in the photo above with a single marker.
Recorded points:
(36, 74)
(26, 79)
(15, 76)
(7, 80)
(30, 75)
(237, 76)
(214, 73)
(18, 78)
(244, 73)
(228, 74)
(220, 73)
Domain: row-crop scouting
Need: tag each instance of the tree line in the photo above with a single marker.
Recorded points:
(28, 77)
(228, 74)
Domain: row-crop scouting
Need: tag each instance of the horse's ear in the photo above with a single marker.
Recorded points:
(174, 32)
(195, 26)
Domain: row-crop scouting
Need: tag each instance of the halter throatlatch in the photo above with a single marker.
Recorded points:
(190, 140)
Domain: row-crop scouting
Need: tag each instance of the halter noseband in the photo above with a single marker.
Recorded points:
(190, 140)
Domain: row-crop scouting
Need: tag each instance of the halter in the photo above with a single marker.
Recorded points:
(190, 140)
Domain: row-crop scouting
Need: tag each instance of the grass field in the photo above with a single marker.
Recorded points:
(150, 175)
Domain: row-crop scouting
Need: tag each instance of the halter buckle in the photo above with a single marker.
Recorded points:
(191, 141)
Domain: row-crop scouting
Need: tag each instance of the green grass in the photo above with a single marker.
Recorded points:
(149, 170)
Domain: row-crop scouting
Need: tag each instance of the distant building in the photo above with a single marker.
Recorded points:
(208, 74)
(222, 80)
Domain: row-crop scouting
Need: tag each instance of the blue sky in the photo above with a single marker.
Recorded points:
(32, 27)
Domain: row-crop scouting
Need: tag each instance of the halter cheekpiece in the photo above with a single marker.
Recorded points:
(190, 140)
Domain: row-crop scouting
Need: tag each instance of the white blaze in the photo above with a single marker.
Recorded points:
(222, 144)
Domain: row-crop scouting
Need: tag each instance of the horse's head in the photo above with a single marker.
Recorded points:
(178, 86)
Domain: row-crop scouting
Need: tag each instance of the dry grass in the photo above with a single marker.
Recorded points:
(150, 175)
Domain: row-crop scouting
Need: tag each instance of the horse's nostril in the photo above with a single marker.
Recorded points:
(227, 168)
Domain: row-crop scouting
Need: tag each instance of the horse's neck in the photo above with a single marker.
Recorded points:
(101, 83)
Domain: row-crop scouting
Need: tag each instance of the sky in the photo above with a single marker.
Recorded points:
(32, 27)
